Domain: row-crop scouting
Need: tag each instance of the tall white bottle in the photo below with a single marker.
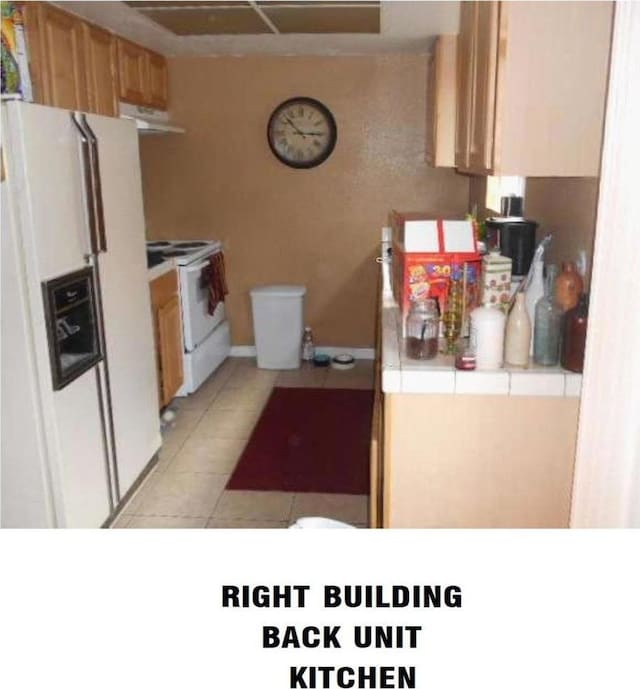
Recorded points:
(534, 293)
(518, 334)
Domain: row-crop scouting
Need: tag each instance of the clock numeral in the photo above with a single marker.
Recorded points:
(318, 123)
(300, 111)
(317, 143)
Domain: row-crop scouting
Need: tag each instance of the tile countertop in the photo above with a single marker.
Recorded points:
(439, 375)
(157, 271)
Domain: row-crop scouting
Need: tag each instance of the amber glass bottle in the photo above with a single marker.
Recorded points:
(575, 335)
(568, 286)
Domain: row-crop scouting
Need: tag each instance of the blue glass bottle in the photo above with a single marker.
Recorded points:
(548, 324)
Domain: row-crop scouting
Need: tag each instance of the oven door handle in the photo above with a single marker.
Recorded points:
(88, 185)
(97, 184)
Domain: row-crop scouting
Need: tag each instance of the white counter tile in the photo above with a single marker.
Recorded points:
(482, 382)
(572, 384)
(537, 383)
(430, 381)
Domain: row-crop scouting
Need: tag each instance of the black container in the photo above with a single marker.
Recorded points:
(517, 240)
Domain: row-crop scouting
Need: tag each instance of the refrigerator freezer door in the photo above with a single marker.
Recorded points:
(126, 300)
(52, 211)
(44, 178)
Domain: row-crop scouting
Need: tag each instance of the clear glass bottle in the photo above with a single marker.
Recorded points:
(308, 350)
(548, 326)
(452, 316)
(421, 330)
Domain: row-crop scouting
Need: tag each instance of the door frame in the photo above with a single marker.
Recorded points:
(606, 490)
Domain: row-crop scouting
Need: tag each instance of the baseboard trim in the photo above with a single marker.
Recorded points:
(356, 352)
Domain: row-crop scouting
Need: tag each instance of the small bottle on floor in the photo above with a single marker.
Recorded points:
(308, 350)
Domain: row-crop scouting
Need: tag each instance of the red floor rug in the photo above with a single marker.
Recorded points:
(309, 440)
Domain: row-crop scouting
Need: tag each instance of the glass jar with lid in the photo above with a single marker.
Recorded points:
(421, 329)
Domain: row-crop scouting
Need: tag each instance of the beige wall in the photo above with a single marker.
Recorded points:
(317, 227)
(567, 208)
(564, 206)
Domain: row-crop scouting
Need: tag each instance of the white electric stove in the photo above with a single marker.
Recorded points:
(206, 337)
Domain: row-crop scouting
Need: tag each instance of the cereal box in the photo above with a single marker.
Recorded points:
(447, 247)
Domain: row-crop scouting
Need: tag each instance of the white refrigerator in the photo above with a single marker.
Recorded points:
(79, 391)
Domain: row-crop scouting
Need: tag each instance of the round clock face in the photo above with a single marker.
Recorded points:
(302, 132)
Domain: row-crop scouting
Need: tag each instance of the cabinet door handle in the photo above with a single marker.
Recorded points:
(95, 167)
(88, 185)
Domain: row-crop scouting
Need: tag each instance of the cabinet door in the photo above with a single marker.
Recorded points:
(484, 89)
(62, 59)
(441, 103)
(132, 71)
(465, 70)
(157, 81)
(170, 335)
(101, 70)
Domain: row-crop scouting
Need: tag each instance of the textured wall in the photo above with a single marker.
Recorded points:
(564, 206)
(318, 227)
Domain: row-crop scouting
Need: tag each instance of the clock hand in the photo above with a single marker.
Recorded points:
(294, 126)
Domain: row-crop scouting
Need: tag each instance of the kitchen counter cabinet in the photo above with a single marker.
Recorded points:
(532, 82)
(441, 103)
(473, 449)
(167, 322)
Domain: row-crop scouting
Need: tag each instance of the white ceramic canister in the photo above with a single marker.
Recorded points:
(487, 331)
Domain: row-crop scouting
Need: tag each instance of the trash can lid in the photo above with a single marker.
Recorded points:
(279, 291)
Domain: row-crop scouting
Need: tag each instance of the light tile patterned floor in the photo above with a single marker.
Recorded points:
(199, 453)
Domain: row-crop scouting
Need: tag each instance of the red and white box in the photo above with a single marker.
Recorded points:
(427, 253)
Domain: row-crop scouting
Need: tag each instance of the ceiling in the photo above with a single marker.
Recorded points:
(277, 27)
(277, 17)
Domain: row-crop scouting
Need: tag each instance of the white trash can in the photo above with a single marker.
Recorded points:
(278, 325)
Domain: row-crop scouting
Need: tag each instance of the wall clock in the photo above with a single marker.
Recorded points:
(302, 132)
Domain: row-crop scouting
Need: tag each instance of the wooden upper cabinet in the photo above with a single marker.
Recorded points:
(441, 103)
(60, 59)
(143, 75)
(132, 71)
(464, 73)
(79, 66)
(532, 82)
(157, 95)
(101, 70)
(484, 89)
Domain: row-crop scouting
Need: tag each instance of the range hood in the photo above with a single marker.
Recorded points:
(148, 120)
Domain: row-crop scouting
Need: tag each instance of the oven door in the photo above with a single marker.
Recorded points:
(197, 323)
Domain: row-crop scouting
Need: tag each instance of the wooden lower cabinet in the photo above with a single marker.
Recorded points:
(167, 321)
(476, 461)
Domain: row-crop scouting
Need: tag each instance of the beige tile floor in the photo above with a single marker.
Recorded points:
(186, 489)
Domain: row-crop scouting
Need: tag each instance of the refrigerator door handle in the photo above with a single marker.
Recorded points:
(88, 185)
(95, 160)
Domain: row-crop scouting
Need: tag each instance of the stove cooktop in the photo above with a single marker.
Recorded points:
(184, 252)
